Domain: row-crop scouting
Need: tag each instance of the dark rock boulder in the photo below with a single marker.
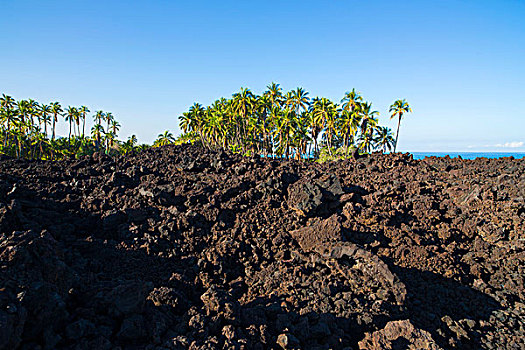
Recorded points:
(315, 197)
(322, 234)
(133, 329)
(127, 298)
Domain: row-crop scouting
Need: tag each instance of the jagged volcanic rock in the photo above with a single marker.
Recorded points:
(179, 247)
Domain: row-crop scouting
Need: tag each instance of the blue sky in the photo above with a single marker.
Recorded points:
(460, 64)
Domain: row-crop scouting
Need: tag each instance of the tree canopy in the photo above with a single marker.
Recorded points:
(290, 125)
(28, 131)
(274, 124)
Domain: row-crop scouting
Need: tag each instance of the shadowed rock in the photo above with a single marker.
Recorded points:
(180, 247)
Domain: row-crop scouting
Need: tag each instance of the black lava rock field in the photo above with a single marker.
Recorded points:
(182, 248)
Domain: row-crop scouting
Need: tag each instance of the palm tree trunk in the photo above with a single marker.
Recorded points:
(397, 133)
(316, 148)
(347, 146)
(19, 153)
(8, 133)
(330, 143)
(54, 118)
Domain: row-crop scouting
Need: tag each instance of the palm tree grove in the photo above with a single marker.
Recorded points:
(29, 131)
(274, 124)
(290, 125)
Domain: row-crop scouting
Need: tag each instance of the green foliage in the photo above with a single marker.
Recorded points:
(189, 137)
(25, 127)
(398, 109)
(343, 152)
(274, 124)
(164, 139)
(289, 125)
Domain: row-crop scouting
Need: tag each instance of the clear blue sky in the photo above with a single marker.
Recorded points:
(460, 64)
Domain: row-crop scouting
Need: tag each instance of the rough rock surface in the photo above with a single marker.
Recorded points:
(179, 247)
(399, 335)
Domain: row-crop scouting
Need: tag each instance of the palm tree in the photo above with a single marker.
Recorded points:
(114, 128)
(398, 108)
(275, 99)
(71, 115)
(164, 139)
(4, 120)
(197, 120)
(83, 111)
(7, 103)
(185, 122)
(109, 136)
(133, 140)
(384, 139)
(45, 111)
(300, 138)
(41, 141)
(33, 111)
(275, 93)
(262, 110)
(56, 109)
(109, 119)
(317, 122)
(369, 118)
(351, 117)
(285, 124)
(23, 110)
(223, 110)
(99, 117)
(243, 103)
(351, 100)
(366, 141)
(300, 100)
(214, 126)
(349, 125)
(96, 134)
(129, 145)
(325, 113)
(18, 134)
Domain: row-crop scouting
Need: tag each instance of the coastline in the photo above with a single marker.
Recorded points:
(469, 155)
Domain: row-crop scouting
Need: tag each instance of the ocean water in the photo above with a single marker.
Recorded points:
(468, 155)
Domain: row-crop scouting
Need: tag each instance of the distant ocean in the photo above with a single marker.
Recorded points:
(468, 155)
